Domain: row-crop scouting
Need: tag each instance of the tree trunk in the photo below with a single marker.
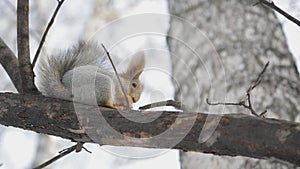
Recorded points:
(220, 47)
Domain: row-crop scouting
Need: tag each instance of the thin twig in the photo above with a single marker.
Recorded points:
(250, 105)
(118, 77)
(77, 148)
(259, 78)
(263, 113)
(60, 155)
(173, 103)
(224, 103)
(60, 2)
(86, 150)
(277, 9)
(247, 101)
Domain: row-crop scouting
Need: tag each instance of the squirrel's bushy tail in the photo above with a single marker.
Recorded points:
(51, 69)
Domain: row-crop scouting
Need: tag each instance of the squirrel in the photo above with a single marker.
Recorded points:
(67, 75)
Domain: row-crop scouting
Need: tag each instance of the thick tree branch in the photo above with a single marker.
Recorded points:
(236, 134)
(9, 62)
(25, 67)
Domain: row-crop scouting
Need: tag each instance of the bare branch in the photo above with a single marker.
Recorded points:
(60, 155)
(272, 5)
(25, 67)
(225, 103)
(9, 62)
(259, 78)
(77, 148)
(118, 77)
(276, 139)
(59, 4)
(247, 101)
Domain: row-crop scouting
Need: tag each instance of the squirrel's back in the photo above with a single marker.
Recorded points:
(51, 69)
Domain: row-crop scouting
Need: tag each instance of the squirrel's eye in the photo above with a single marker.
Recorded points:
(133, 85)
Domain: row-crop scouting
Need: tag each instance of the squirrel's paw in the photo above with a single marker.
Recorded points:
(113, 106)
(108, 105)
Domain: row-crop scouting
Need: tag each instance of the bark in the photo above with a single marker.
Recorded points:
(25, 66)
(228, 43)
(275, 139)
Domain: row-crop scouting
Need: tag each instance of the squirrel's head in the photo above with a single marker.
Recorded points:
(133, 72)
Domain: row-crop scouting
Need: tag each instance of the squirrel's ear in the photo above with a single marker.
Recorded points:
(136, 66)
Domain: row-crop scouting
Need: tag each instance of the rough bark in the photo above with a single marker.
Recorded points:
(25, 68)
(244, 38)
(275, 139)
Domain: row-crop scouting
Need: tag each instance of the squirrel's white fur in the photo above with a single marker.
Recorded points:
(84, 64)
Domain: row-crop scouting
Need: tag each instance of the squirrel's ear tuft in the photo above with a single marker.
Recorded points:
(136, 65)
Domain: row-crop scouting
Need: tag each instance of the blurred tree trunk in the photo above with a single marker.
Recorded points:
(244, 37)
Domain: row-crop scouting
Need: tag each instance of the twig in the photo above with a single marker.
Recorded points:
(62, 153)
(79, 147)
(25, 66)
(247, 101)
(122, 87)
(259, 78)
(60, 2)
(272, 5)
(173, 103)
(86, 150)
(225, 103)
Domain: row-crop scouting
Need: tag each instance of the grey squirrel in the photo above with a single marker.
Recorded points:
(84, 64)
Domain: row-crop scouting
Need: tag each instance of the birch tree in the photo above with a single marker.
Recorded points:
(244, 37)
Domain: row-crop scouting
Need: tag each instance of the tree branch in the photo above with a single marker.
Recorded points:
(236, 134)
(246, 102)
(75, 148)
(117, 75)
(60, 155)
(272, 5)
(9, 62)
(59, 4)
(25, 67)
